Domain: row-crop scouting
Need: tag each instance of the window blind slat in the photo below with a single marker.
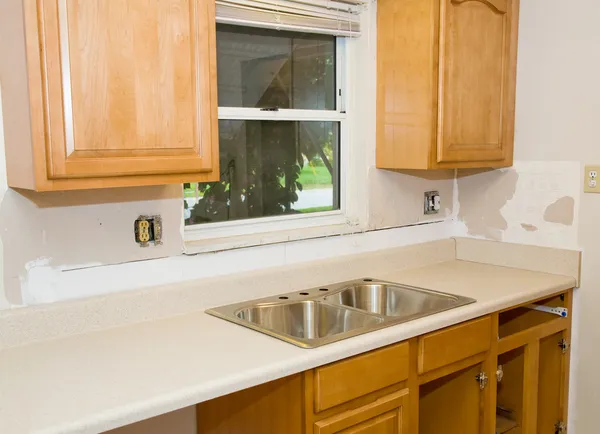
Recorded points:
(335, 17)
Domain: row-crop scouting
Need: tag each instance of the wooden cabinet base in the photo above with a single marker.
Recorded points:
(511, 375)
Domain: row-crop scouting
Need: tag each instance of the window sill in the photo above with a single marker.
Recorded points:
(265, 238)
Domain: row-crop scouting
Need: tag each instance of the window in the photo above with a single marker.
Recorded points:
(281, 124)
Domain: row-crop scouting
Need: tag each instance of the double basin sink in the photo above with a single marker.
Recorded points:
(323, 315)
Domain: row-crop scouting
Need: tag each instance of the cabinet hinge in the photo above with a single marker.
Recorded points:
(483, 380)
(564, 346)
(560, 428)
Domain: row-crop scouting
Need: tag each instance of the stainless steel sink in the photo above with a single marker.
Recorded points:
(319, 316)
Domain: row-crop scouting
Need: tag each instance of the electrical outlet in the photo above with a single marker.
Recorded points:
(432, 202)
(591, 182)
(148, 229)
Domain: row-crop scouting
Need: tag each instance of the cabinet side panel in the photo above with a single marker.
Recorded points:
(275, 407)
(406, 82)
(15, 95)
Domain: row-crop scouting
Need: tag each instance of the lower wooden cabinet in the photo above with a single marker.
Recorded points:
(507, 372)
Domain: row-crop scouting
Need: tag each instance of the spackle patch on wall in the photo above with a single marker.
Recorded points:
(481, 197)
(528, 227)
(541, 206)
(561, 211)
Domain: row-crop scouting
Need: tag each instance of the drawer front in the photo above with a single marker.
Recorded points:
(455, 343)
(357, 376)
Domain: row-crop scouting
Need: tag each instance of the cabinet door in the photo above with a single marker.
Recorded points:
(384, 416)
(130, 87)
(478, 46)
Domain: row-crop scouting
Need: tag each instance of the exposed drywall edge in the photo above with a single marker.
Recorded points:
(56, 320)
(4, 303)
(551, 260)
(539, 185)
(44, 283)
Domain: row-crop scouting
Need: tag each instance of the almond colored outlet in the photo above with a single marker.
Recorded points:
(591, 182)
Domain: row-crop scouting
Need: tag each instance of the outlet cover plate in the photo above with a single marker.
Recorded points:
(591, 181)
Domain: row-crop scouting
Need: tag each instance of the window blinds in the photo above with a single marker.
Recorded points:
(333, 17)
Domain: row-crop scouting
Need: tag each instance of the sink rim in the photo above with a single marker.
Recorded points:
(316, 294)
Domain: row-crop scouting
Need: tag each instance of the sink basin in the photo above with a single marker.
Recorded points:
(306, 320)
(323, 315)
(393, 300)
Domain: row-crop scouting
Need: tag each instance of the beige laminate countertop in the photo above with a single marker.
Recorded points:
(105, 379)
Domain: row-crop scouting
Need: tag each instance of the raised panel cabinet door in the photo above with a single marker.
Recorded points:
(383, 416)
(477, 69)
(130, 87)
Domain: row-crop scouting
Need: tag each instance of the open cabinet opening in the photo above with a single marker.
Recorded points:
(463, 416)
(509, 402)
(522, 318)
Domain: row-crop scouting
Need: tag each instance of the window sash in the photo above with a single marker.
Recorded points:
(270, 224)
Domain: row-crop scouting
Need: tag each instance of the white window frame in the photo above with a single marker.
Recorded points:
(265, 225)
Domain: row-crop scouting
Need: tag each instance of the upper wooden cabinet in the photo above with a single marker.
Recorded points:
(109, 93)
(446, 83)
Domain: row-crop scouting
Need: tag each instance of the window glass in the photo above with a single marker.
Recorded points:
(268, 68)
(269, 168)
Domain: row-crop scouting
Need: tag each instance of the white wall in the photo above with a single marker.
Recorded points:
(558, 114)
(77, 244)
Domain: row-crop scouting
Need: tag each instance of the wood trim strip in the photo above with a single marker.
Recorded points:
(530, 387)
(449, 369)
(490, 367)
(566, 366)
(525, 337)
(411, 416)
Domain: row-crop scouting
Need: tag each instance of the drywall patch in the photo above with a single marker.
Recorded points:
(561, 211)
(528, 227)
(507, 204)
(481, 196)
